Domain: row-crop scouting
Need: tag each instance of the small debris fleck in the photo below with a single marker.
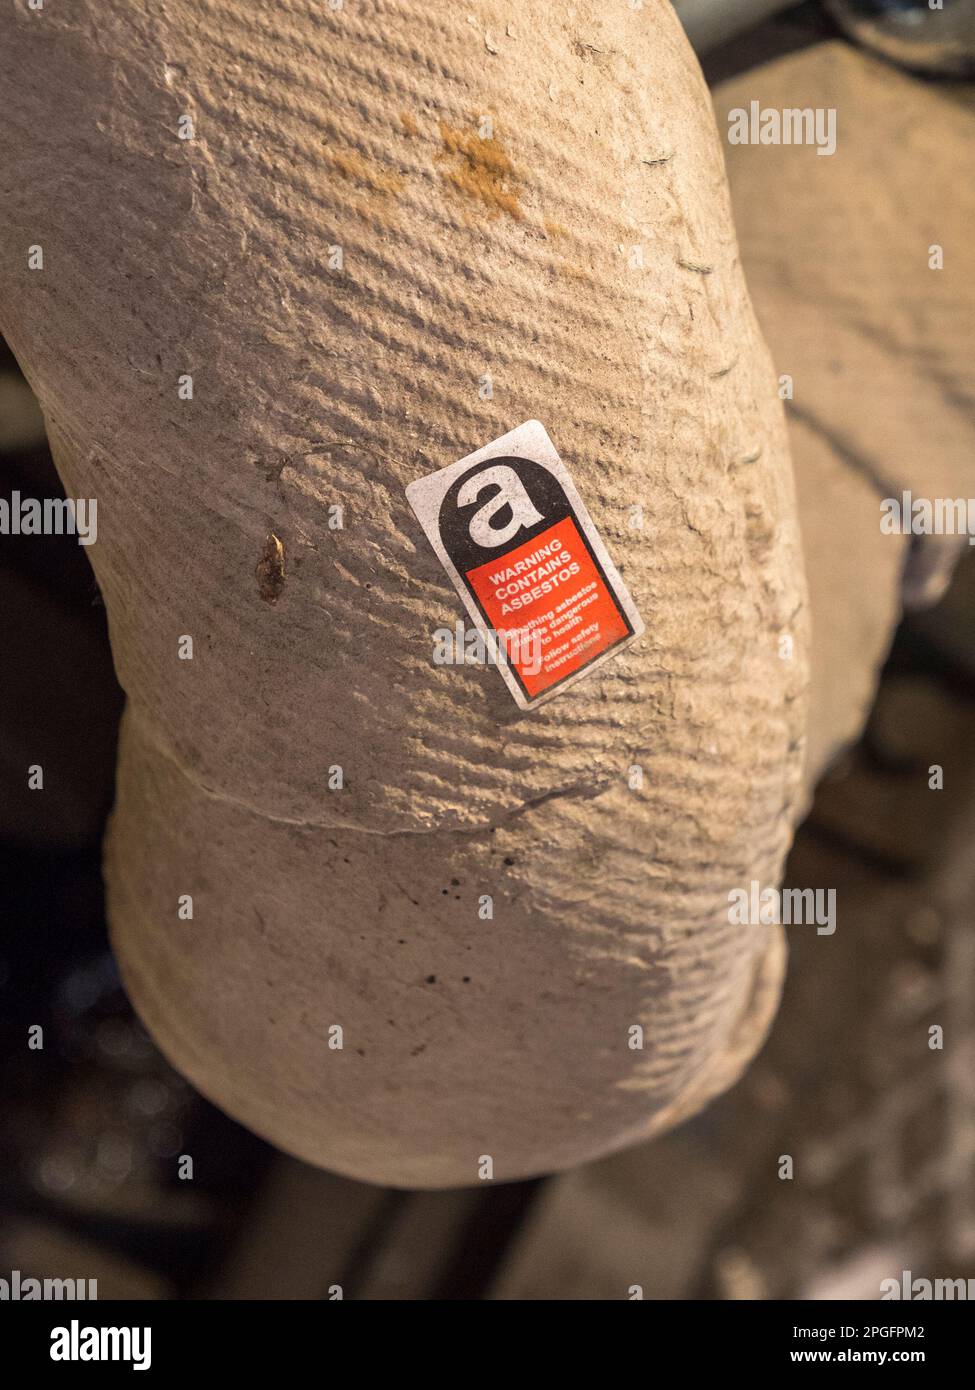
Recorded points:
(270, 569)
(698, 267)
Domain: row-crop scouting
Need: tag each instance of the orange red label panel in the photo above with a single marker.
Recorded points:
(550, 596)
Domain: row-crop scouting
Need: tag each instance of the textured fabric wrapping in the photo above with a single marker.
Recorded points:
(394, 232)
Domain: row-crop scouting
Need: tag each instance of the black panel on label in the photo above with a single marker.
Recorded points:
(543, 489)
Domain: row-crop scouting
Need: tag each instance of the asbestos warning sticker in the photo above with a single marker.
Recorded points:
(515, 537)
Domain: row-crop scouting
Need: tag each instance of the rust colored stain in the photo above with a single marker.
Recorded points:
(362, 172)
(270, 569)
(480, 169)
(409, 123)
(553, 230)
(376, 187)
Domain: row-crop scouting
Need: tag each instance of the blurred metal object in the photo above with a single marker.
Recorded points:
(911, 33)
(928, 571)
(710, 22)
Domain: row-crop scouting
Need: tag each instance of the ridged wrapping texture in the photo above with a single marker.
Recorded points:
(467, 250)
